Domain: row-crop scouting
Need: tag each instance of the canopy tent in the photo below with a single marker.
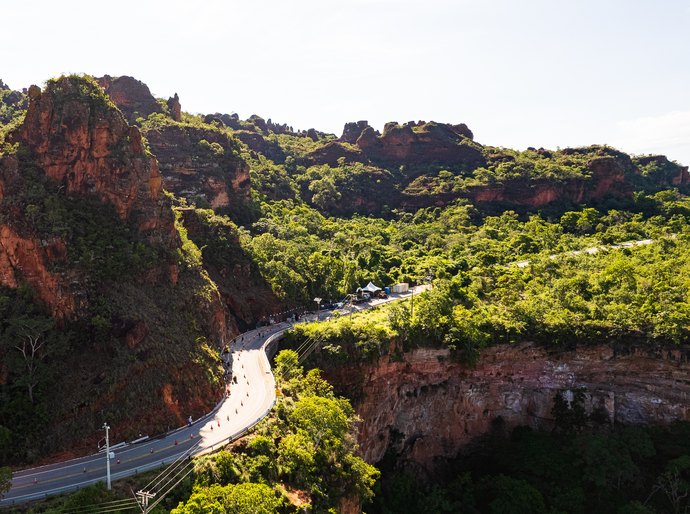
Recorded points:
(371, 288)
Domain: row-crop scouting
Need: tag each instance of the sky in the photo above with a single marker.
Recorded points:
(541, 73)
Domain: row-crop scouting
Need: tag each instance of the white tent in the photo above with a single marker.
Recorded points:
(371, 288)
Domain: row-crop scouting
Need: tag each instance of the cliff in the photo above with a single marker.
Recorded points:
(80, 144)
(83, 143)
(426, 407)
(415, 143)
(244, 293)
(201, 163)
(131, 96)
(87, 235)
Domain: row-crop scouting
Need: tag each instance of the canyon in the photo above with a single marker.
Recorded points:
(426, 407)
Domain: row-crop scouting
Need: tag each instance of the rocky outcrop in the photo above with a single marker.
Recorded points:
(24, 260)
(426, 406)
(259, 144)
(201, 163)
(131, 96)
(175, 107)
(13, 102)
(82, 142)
(353, 130)
(333, 153)
(607, 177)
(415, 143)
(662, 171)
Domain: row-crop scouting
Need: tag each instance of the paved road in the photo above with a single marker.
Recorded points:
(251, 398)
(591, 251)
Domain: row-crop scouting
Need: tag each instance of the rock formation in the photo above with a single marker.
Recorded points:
(82, 144)
(75, 157)
(80, 141)
(415, 143)
(131, 96)
(200, 163)
(427, 406)
(353, 130)
(175, 108)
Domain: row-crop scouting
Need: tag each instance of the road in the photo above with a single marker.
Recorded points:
(591, 251)
(251, 399)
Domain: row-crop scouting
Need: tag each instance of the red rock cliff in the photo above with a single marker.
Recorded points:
(74, 136)
(427, 407)
(201, 163)
(131, 96)
(81, 141)
(415, 143)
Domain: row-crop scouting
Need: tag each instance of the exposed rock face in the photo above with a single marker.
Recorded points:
(257, 143)
(13, 101)
(131, 96)
(428, 407)
(199, 163)
(229, 120)
(258, 122)
(175, 108)
(87, 146)
(415, 143)
(353, 130)
(663, 171)
(23, 259)
(80, 141)
(332, 152)
(607, 178)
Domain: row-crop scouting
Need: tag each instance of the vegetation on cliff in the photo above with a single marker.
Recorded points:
(573, 469)
(559, 298)
(94, 300)
(102, 277)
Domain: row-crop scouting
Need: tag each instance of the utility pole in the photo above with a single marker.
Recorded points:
(144, 497)
(107, 456)
(318, 307)
(412, 304)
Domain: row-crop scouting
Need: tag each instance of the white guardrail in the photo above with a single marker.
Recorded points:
(157, 464)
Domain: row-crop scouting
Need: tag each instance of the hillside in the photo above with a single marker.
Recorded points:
(96, 268)
(136, 240)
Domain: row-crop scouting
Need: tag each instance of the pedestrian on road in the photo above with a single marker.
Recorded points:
(189, 421)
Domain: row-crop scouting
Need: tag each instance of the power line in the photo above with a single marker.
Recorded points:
(174, 476)
(169, 469)
(114, 504)
(160, 499)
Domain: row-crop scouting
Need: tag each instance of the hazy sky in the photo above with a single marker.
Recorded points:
(518, 72)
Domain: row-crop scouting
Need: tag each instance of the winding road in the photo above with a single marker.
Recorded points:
(251, 399)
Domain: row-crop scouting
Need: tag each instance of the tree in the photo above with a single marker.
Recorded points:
(287, 365)
(247, 498)
(5, 480)
(323, 419)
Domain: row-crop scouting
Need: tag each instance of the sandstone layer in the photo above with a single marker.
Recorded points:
(426, 407)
